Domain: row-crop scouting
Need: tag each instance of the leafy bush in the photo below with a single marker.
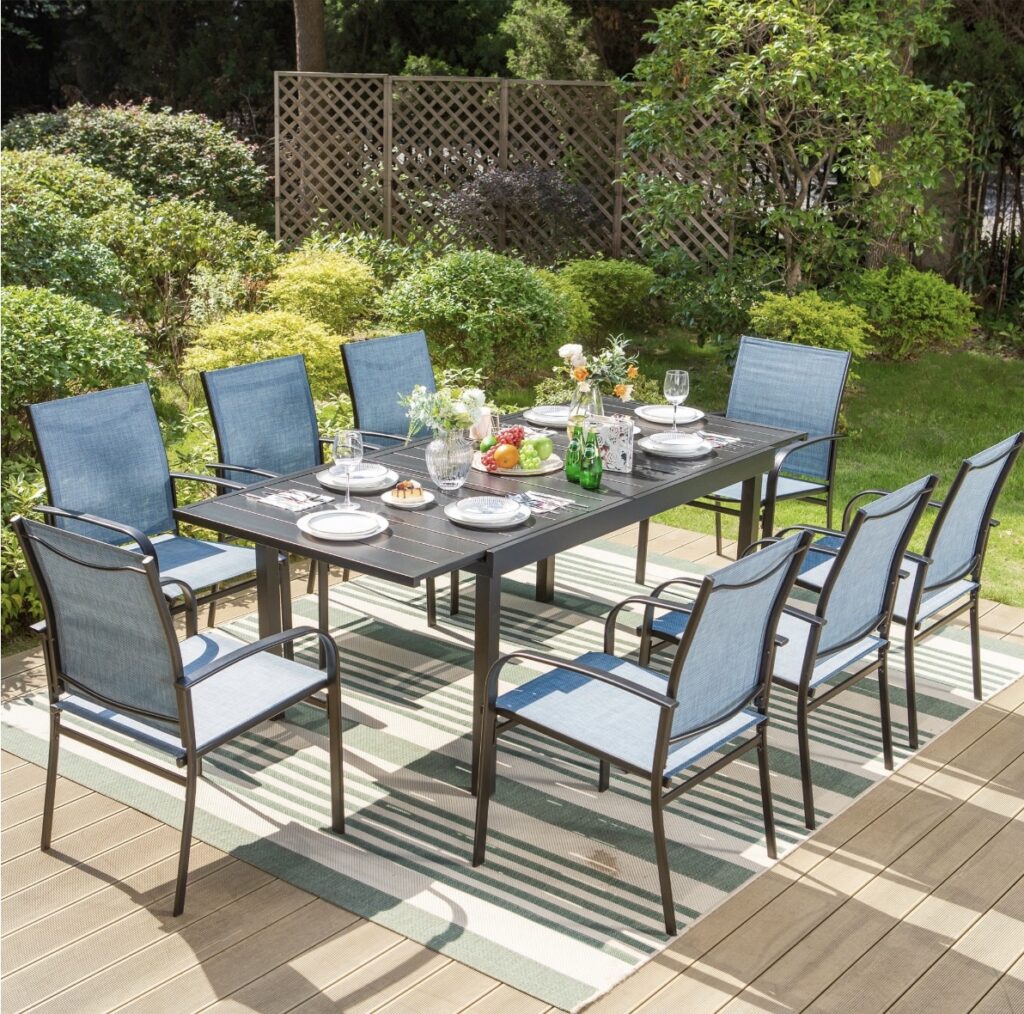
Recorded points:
(483, 310)
(326, 286)
(252, 337)
(559, 391)
(809, 319)
(82, 189)
(911, 311)
(617, 292)
(579, 319)
(389, 259)
(54, 346)
(19, 603)
(161, 246)
(162, 154)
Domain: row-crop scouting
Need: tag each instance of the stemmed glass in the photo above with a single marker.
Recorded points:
(348, 453)
(677, 387)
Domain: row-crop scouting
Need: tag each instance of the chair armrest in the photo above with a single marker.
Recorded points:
(816, 529)
(772, 483)
(799, 614)
(240, 654)
(240, 468)
(143, 541)
(694, 582)
(210, 480)
(768, 541)
(651, 604)
(651, 696)
(191, 611)
(848, 509)
(918, 558)
(39, 627)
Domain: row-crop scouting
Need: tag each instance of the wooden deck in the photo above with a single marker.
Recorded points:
(912, 899)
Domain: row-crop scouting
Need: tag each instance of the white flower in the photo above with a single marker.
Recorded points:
(580, 360)
(474, 397)
(584, 387)
(569, 351)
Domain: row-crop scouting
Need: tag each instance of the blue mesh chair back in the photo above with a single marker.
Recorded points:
(382, 370)
(957, 541)
(725, 658)
(264, 417)
(110, 627)
(790, 386)
(862, 581)
(102, 453)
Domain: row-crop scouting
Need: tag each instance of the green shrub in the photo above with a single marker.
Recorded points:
(579, 320)
(162, 154)
(617, 292)
(389, 259)
(19, 602)
(82, 189)
(252, 337)
(54, 346)
(326, 286)
(481, 309)
(809, 319)
(911, 311)
(161, 246)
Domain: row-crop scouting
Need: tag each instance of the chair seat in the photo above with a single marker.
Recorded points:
(671, 625)
(817, 565)
(200, 564)
(612, 721)
(789, 657)
(222, 705)
(786, 489)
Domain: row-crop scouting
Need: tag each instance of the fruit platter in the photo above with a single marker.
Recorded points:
(517, 451)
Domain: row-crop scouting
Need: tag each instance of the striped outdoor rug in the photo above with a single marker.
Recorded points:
(567, 903)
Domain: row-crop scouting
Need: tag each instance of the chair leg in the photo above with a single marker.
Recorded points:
(766, 791)
(334, 727)
(484, 785)
(661, 851)
(908, 665)
(976, 646)
(604, 771)
(311, 580)
(453, 609)
(643, 537)
(211, 613)
(323, 602)
(186, 834)
(431, 602)
(718, 533)
(805, 759)
(285, 580)
(883, 705)
(51, 781)
(346, 575)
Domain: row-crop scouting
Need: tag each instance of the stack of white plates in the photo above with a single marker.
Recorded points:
(487, 512)
(548, 415)
(662, 414)
(675, 445)
(368, 477)
(342, 526)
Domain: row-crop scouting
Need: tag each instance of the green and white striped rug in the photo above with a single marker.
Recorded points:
(567, 903)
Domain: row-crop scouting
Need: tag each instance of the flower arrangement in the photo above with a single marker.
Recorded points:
(457, 404)
(609, 371)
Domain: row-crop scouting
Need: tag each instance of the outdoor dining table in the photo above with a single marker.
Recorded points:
(424, 543)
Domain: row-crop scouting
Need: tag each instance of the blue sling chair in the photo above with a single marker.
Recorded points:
(780, 384)
(945, 581)
(714, 698)
(113, 662)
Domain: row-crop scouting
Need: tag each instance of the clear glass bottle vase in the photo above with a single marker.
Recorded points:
(584, 404)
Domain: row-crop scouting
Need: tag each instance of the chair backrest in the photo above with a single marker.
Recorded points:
(102, 453)
(724, 659)
(796, 387)
(109, 625)
(958, 538)
(382, 370)
(264, 417)
(858, 594)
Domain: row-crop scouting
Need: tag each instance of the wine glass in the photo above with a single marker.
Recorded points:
(348, 453)
(677, 387)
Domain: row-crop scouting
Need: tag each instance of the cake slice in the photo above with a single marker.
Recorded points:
(408, 489)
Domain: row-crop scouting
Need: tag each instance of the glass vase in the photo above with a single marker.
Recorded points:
(584, 404)
(449, 458)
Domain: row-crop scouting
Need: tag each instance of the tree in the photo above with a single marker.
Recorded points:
(791, 98)
(549, 43)
(310, 35)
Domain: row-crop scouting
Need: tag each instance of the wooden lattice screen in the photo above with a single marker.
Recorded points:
(368, 151)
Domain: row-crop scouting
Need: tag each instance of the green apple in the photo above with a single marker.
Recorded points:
(542, 445)
(487, 443)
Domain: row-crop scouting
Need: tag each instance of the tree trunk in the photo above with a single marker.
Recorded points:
(310, 35)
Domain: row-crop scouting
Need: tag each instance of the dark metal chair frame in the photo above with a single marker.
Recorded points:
(667, 703)
(58, 679)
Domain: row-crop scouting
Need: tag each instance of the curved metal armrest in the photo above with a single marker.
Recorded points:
(848, 509)
(651, 696)
(817, 529)
(694, 582)
(191, 612)
(768, 541)
(798, 445)
(240, 468)
(210, 480)
(143, 541)
(240, 654)
(918, 558)
(799, 614)
(651, 604)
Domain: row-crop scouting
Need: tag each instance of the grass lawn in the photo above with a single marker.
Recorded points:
(905, 420)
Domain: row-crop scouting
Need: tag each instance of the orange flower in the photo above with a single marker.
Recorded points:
(633, 372)
(580, 374)
(620, 391)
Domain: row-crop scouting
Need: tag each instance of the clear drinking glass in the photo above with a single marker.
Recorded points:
(348, 453)
(677, 387)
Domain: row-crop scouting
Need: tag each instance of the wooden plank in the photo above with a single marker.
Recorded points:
(28, 806)
(503, 999)
(1007, 995)
(84, 810)
(10, 761)
(306, 975)
(22, 684)
(448, 989)
(21, 779)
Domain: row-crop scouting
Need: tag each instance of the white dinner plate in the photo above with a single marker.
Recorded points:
(453, 513)
(662, 414)
(548, 415)
(680, 441)
(373, 484)
(489, 508)
(342, 526)
(407, 505)
(699, 450)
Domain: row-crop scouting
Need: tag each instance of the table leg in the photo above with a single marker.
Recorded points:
(485, 652)
(268, 591)
(749, 512)
(546, 579)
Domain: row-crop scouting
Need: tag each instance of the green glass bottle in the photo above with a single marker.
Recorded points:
(574, 455)
(591, 465)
